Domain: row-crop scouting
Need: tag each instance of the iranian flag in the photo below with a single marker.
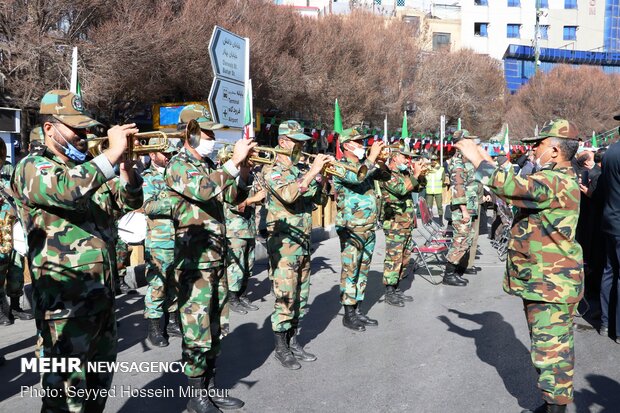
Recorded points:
(248, 119)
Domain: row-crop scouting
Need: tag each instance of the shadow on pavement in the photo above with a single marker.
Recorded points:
(11, 370)
(159, 404)
(322, 311)
(605, 393)
(498, 346)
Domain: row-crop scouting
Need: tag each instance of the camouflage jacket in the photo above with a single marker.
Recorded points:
(240, 224)
(67, 211)
(397, 201)
(158, 209)
(289, 210)
(5, 175)
(198, 191)
(544, 260)
(356, 200)
(465, 189)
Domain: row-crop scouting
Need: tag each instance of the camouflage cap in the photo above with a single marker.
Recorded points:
(171, 148)
(351, 134)
(408, 153)
(556, 128)
(201, 114)
(293, 130)
(463, 134)
(66, 107)
(36, 134)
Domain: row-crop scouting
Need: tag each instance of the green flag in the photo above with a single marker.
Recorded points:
(404, 133)
(458, 124)
(594, 144)
(337, 118)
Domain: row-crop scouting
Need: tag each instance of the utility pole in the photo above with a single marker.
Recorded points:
(537, 38)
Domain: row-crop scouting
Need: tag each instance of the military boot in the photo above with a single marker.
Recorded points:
(173, 324)
(283, 354)
(402, 295)
(450, 276)
(247, 304)
(459, 272)
(6, 318)
(17, 310)
(363, 318)
(220, 396)
(350, 319)
(547, 408)
(391, 298)
(200, 403)
(297, 349)
(235, 304)
(155, 333)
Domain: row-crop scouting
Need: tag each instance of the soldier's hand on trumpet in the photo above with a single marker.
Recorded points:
(117, 141)
(243, 148)
(375, 151)
(320, 162)
(416, 167)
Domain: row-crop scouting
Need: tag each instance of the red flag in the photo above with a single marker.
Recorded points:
(339, 153)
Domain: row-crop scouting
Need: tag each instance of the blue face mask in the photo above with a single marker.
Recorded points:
(402, 167)
(71, 151)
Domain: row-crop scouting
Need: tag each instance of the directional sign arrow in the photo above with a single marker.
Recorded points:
(226, 102)
(227, 52)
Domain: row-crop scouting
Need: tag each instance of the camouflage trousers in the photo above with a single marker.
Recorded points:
(122, 257)
(12, 275)
(91, 339)
(356, 248)
(289, 266)
(552, 351)
(161, 289)
(239, 262)
(398, 249)
(475, 227)
(202, 296)
(458, 254)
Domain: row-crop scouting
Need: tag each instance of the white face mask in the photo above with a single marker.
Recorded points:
(205, 148)
(360, 153)
(538, 164)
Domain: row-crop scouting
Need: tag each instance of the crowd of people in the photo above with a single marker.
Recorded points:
(201, 216)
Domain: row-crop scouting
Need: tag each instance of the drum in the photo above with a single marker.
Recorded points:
(132, 227)
(19, 239)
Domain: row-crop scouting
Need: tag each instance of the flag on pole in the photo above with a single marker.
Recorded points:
(75, 82)
(594, 143)
(458, 124)
(385, 133)
(536, 130)
(338, 129)
(248, 121)
(404, 133)
(506, 142)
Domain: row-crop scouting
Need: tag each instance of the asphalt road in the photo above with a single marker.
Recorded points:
(451, 350)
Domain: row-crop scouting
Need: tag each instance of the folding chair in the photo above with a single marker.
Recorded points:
(422, 251)
(433, 233)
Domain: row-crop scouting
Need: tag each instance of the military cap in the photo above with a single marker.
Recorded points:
(407, 153)
(36, 134)
(351, 134)
(617, 117)
(556, 128)
(201, 115)
(66, 107)
(170, 148)
(293, 130)
(463, 134)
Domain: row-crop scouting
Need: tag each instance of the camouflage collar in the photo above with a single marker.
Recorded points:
(565, 166)
(187, 156)
(39, 149)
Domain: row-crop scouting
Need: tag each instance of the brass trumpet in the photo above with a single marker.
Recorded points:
(138, 143)
(331, 168)
(386, 151)
(261, 154)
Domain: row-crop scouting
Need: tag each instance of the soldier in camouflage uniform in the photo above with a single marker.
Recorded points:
(11, 263)
(198, 191)
(355, 225)
(397, 185)
(159, 250)
(465, 205)
(545, 266)
(291, 197)
(66, 206)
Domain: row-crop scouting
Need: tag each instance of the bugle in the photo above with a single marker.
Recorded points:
(386, 151)
(331, 168)
(261, 154)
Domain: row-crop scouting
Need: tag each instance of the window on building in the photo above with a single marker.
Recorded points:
(544, 32)
(570, 4)
(441, 41)
(570, 32)
(481, 2)
(543, 4)
(513, 31)
(514, 3)
(413, 22)
(480, 29)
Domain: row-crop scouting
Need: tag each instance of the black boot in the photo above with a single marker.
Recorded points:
(247, 304)
(155, 334)
(6, 318)
(458, 273)
(363, 318)
(297, 349)
(173, 324)
(350, 319)
(283, 354)
(235, 304)
(548, 408)
(391, 298)
(220, 397)
(450, 278)
(201, 403)
(18, 311)
(402, 295)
